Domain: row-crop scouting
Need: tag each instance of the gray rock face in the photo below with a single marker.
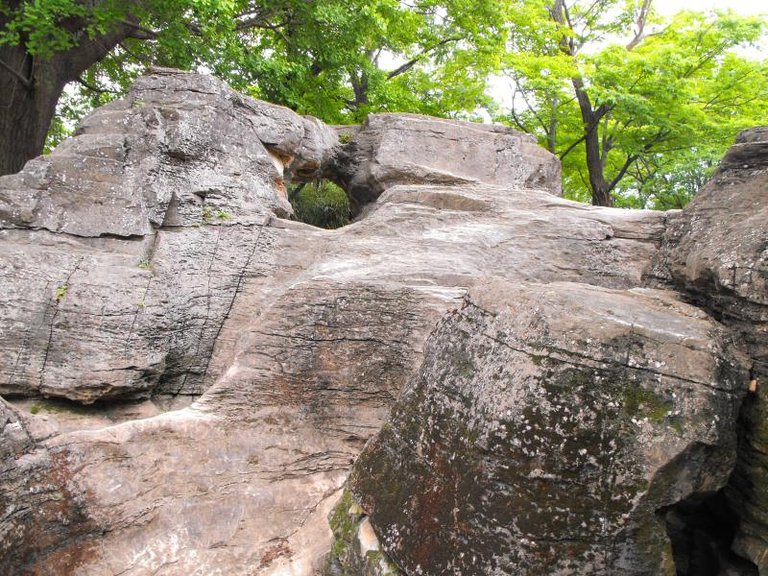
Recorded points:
(716, 253)
(162, 268)
(405, 148)
(125, 248)
(547, 428)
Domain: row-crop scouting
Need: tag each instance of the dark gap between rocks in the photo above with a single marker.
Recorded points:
(701, 529)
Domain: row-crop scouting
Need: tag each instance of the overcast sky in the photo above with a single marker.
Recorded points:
(742, 6)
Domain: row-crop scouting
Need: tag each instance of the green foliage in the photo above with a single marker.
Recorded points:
(207, 215)
(144, 263)
(662, 100)
(336, 59)
(61, 292)
(322, 204)
(662, 105)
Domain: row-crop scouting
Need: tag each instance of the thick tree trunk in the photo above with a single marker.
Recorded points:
(28, 98)
(30, 88)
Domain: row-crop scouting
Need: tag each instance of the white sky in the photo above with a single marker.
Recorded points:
(667, 7)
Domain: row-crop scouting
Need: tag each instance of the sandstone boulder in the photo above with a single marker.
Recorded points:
(549, 429)
(394, 149)
(124, 249)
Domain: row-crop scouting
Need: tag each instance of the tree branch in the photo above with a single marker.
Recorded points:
(627, 164)
(631, 158)
(642, 18)
(532, 110)
(26, 82)
(513, 114)
(138, 31)
(132, 54)
(572, 147)
(415, 60)
(93, 88)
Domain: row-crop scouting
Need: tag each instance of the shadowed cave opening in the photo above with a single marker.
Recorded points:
(701, 529)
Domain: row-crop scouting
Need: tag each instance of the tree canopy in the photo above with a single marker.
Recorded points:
(638, 108)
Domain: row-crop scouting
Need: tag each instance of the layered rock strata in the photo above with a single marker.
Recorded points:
(559, 409)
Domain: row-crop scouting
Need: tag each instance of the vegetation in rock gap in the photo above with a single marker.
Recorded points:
(638, 108)
(322, 204)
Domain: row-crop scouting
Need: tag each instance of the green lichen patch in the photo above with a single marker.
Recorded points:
(343, 524)
(346, 557)
(639, 402)
(52, 406)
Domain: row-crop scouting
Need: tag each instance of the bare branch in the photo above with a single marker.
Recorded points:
(415, 60)
(93, 88)
(640, 21)
(26, 82)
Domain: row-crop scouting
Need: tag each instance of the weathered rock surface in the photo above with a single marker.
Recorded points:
(546, 429)
(164, 269)
(124, 249)
(406, 148)
(716, 253)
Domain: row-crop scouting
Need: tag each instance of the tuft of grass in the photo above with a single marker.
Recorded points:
(224, 215)
(144, 263)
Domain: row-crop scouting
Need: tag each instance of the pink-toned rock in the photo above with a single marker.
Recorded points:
(263, 354)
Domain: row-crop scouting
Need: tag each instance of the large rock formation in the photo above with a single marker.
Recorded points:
(393, 149)
(561, 411)
(548, 427)
(125, 248)
(716, 254)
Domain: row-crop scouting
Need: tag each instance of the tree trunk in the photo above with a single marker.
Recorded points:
(30, 88)
(27, 107)
(601, 189)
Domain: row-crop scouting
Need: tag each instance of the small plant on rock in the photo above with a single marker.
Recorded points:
(61, 292)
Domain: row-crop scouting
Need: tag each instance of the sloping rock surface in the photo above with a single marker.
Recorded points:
(163, 268)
